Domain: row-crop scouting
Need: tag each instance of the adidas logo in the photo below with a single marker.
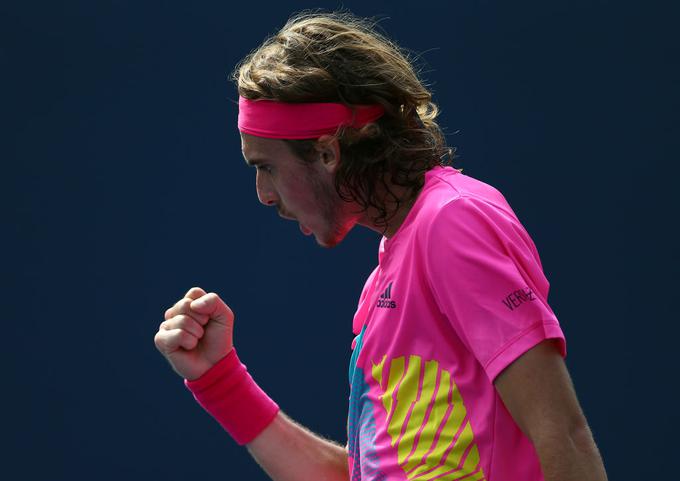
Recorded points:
(385, 299)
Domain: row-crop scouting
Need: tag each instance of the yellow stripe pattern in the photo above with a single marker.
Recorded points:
(427, 421)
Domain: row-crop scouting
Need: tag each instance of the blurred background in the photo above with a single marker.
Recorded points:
(124, 186)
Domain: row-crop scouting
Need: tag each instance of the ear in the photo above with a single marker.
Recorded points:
(328, 151)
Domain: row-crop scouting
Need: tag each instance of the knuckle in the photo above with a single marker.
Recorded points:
(188, 340)
(190, 320)
(191, 325)
(197, 329)
(178, 305)
(161, 341)
(195, 290)
(181, 307)
(183, 304)
(182, 321)
(173, 340)
(200, 319)
(214, 298)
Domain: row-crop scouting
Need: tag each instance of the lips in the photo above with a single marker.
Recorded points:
(305, 230)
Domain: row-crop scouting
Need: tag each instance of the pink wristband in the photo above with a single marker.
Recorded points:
(232, 397)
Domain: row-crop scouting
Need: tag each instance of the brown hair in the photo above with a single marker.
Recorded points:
(337, 57)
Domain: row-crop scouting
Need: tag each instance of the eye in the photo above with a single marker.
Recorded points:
(264, 168)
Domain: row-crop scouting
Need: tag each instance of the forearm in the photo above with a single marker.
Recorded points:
(576, 459)
(289, 452)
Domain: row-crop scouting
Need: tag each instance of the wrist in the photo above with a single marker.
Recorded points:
(229, 394)
(229, 362)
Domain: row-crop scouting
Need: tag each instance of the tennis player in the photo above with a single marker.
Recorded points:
(457, 369)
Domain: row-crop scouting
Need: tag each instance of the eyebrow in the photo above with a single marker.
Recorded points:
(254, 162)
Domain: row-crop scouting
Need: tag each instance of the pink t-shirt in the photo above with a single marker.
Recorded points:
(458, 295)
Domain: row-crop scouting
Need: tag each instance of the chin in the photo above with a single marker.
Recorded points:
(328, 245)
(327, 242)
(331, 239)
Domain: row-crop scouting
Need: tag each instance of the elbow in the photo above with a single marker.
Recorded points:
(573, 433)
(569, 449)
(581, 437)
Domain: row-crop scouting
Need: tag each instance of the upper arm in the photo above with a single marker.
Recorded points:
(538, 392)
(486, 277)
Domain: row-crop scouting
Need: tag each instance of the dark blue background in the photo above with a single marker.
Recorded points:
(124, 186)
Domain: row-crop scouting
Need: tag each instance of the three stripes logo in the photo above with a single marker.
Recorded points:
(385, 299)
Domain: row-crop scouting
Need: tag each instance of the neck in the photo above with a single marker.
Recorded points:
(396, 213)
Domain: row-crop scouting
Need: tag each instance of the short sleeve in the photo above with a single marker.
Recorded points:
(487, 279)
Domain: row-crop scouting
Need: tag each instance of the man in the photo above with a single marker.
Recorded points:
(457, 369)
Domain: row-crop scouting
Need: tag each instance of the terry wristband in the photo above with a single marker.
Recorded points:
(232, 397)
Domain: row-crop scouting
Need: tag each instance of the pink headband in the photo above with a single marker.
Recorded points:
(281, 120)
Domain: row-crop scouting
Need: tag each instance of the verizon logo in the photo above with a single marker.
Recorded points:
(519, 297)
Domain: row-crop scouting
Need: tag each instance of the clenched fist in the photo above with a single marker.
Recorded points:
(197, 332)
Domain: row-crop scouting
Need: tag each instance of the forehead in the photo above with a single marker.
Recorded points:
(258, 149)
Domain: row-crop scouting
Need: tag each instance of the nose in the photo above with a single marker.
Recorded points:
(265, 191)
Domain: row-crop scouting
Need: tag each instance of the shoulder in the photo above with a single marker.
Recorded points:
(465, 216)
(473, 230)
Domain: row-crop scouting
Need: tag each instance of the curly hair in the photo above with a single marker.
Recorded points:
(338, 57)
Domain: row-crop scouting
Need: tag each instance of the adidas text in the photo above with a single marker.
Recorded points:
(386, 298)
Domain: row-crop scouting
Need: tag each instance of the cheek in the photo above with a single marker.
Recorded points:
(296, 191)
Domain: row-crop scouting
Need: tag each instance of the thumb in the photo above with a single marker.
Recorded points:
(214, 307)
